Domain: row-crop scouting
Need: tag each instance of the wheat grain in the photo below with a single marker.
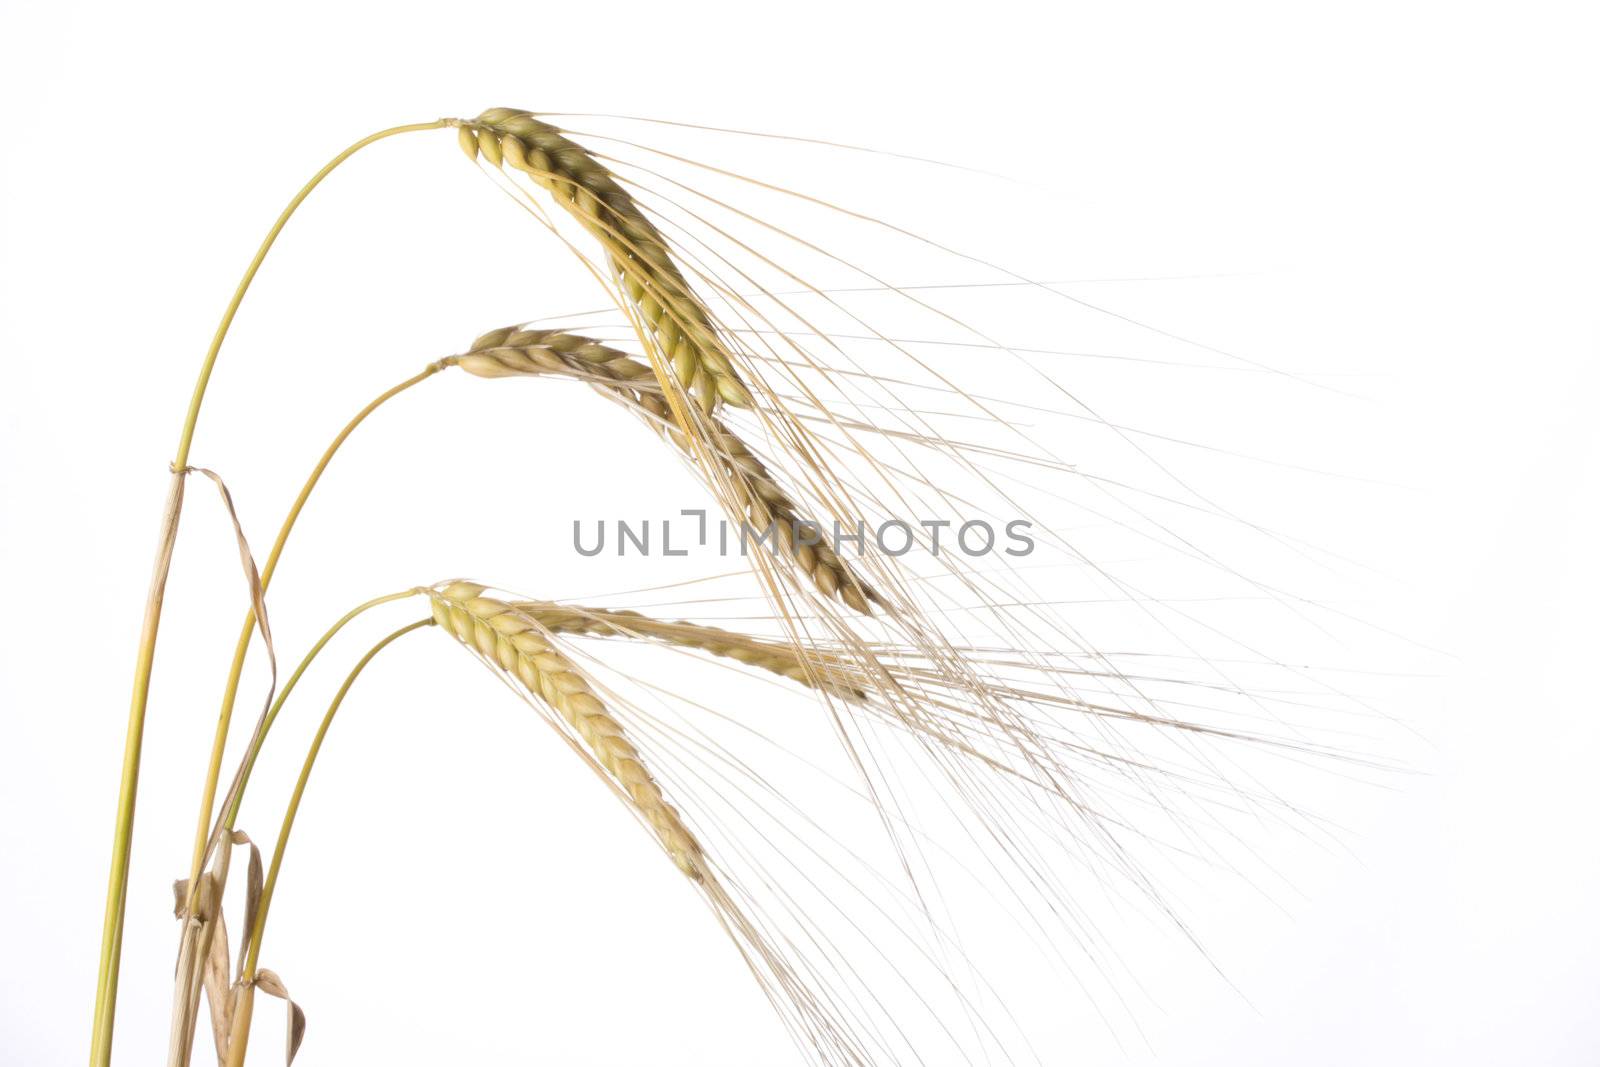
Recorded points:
(513, 640)
(511, 351)
(586, 188)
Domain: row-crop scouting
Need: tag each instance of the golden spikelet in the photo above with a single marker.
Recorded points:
(511, 639)
(638, 253)
(766, 505)
(814, 669)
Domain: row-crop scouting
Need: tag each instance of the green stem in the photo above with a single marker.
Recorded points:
(208, 837)
(186, 1000)
(236, 1046)
(242, 647)
(236, 792)
(105, 1001)
(255, 265)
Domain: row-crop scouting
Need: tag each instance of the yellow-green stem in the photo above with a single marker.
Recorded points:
(240, 1036)
(105, 1001)
(117, 892)
(187, 994)
(225, 717)
(255, 264)
(236, 794)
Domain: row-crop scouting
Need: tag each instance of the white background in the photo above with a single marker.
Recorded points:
(1400, 194)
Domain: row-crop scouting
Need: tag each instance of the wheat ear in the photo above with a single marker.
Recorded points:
(511, 352)
(510, 638)
(587, 189)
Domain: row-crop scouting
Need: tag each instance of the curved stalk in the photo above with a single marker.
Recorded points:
(208, 836)
(230, 693)
(236, 792)
(105, 1004)
(186, 998)
(267, 242)
(241, 1030)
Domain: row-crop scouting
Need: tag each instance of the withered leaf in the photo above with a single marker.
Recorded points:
(269, 983)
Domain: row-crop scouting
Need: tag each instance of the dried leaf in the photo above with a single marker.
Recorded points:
(252, 895)
(208, 901)
(258, 608)
(258, 602)
(184, 1006)
(269, 983)
(195, 962)
(219, 994)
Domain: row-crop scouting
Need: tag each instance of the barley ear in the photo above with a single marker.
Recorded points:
(679, 321)
(815, 669)
(509, 352)
(511, 640)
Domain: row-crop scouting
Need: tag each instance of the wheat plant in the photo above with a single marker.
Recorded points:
(1018, 734)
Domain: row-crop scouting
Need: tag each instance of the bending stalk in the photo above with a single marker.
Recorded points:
(225, 717)
(240, 1036)
(105, 1001)
(190, 978)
